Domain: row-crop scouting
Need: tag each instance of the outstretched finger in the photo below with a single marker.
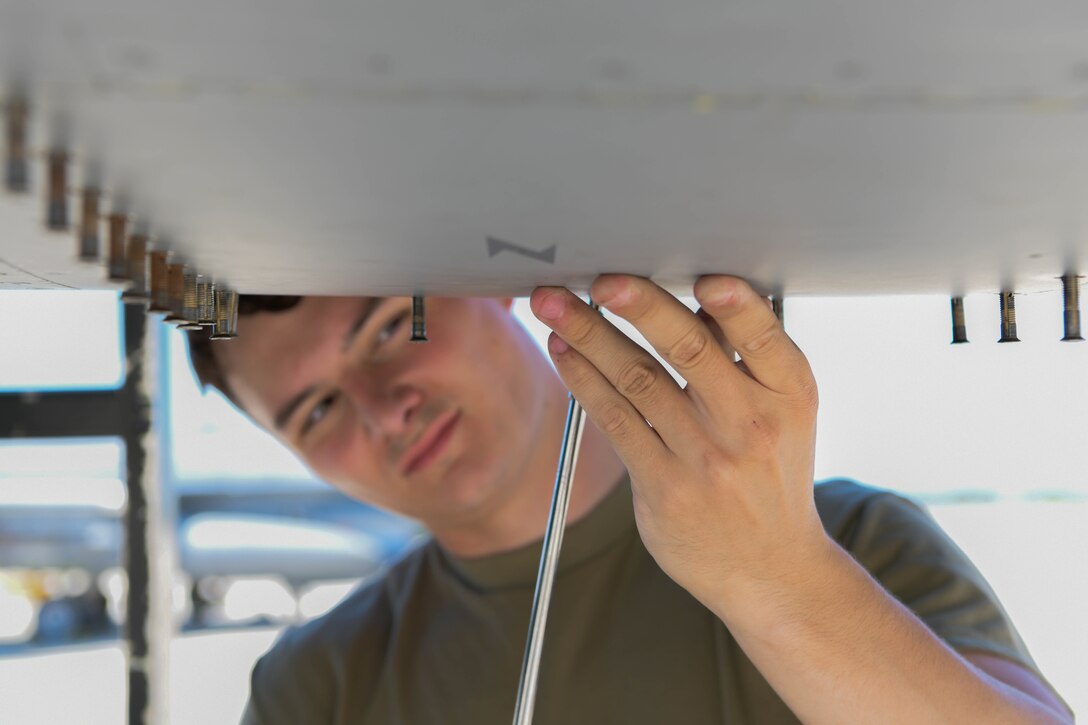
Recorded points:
(751, 328)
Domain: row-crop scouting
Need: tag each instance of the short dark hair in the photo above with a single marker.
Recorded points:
(202, 356)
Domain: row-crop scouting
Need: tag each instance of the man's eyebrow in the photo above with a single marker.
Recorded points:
(371, 305)
(288, 410)
(292, 405)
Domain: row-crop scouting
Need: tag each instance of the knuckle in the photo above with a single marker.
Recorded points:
(580, 376)
(638, 379)
(691, 349)
(583, 332)
(762, 343)
(613, 420)
(717, 463)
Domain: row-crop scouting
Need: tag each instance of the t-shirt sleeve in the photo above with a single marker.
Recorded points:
(902, 546)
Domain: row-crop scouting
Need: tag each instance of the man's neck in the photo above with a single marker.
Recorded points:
(522, 518)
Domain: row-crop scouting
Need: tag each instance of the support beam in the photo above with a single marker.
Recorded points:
(149, 550)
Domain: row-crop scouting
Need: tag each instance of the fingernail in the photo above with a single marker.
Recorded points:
(612, 291)
(553, 305)
(557, 345)
(720, 297)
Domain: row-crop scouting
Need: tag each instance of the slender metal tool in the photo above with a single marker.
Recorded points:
(549, 559)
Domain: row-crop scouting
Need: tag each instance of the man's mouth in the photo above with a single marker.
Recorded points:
(431, 444)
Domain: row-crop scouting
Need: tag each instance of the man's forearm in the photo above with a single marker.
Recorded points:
(838, 648)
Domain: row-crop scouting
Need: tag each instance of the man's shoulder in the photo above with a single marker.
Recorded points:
(331, 643)
(311, 666)
(847, 507)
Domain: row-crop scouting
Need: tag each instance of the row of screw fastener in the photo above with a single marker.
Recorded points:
(17, 164)
(189, 298)
(193, 301)
(1071, 314)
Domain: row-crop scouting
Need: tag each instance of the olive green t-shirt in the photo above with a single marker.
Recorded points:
(441, 640)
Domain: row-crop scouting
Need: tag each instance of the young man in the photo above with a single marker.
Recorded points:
(703, 579)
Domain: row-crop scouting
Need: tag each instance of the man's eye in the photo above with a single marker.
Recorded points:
(390, 330)
(317, 413)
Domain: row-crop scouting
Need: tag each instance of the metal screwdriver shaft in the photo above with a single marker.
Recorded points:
(549, 559)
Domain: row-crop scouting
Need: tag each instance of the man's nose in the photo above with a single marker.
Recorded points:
(382, 407)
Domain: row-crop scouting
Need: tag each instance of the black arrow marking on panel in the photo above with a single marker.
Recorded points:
(495, 246)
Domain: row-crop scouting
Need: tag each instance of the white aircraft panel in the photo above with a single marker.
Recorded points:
(849, 147)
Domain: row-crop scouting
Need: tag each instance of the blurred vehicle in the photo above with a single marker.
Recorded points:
(252, 567)
(247, 554)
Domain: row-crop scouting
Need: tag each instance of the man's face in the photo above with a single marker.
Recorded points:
(435, 430)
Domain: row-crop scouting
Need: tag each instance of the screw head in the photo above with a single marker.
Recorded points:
(57, 208)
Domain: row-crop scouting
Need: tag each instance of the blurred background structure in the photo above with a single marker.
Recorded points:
(988, 435)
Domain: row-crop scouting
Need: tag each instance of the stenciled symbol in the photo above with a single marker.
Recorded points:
(495, 246)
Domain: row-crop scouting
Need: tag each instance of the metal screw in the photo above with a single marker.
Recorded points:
(175, 281)
(205, 294)
(226, 314)
(1008, 317)
(160, 289)
(88, 232)
(959, 322)
(118, 265)
(419, 321)
(57, 211)
(1071, 296)
(17, 173)
(191, 303)
(137, 270)
(778, 308)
